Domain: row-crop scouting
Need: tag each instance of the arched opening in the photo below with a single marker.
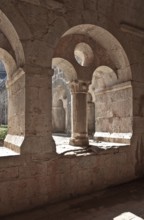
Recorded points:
(103, 77)
(11, 35)
(12, 59)
(10, 103)
(106, 49)
(65, 69)
(90, 55)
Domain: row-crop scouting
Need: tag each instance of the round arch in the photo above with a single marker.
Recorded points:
(110, 66)
(9, 31)
(103, 77)
(67, 68)
(104, 43)
(9, 63)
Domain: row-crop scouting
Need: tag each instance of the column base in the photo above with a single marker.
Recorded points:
(38, 145)
(80, 141)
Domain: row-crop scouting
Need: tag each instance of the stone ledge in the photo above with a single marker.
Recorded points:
(95, 148)
(124, 138)
(5, 152)
(14, 142)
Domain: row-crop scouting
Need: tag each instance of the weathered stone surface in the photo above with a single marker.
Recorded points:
(37, 32)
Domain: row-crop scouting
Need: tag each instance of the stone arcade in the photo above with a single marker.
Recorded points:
(73, 67)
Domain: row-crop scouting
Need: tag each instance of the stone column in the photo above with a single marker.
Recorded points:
(29, 112)
(79, 133)
(38, 112)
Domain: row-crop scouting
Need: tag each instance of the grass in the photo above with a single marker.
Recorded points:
(3, 131)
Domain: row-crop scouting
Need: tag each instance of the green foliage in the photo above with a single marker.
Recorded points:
(3, 131)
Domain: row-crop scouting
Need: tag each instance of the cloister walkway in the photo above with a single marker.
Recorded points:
(124, 202)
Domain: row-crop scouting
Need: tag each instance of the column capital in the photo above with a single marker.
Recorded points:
(79, 86)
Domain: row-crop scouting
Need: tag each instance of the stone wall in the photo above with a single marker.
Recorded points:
(33, 180)
(114, 113)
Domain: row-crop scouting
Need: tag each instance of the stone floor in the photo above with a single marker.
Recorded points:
(124, 202)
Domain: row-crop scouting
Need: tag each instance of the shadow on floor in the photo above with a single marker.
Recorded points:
(104, 205)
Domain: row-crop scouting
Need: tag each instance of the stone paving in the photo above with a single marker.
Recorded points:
(124, 202)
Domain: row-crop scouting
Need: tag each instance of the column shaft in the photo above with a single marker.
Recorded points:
(79, 136)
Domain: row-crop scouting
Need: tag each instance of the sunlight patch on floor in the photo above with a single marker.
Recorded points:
(127, 216)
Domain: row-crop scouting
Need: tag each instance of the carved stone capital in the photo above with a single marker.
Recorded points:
(79, 86)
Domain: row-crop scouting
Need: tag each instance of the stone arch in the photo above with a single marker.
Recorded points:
(103, 77)
(9, 63)
(109, 65)
(9, 31)
(104, 45)
(66, 67)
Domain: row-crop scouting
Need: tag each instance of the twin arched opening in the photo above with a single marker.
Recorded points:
(92, 60)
